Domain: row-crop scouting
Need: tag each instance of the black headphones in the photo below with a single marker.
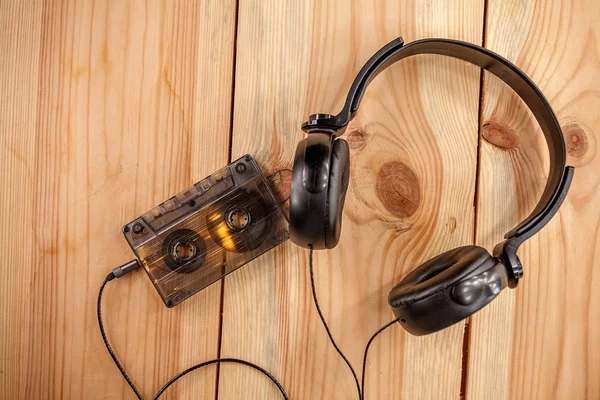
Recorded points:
(459, 282)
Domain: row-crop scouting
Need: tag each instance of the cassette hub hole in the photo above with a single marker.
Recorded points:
(238, 219)
(184, 251)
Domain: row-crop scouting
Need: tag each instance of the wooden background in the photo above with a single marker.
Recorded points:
(109, 107)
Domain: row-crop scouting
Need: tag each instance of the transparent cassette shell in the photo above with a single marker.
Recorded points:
(207, 231)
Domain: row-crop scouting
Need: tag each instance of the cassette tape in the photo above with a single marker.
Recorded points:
(207, 231)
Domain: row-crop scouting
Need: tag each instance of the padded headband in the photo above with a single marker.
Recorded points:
(559, 176)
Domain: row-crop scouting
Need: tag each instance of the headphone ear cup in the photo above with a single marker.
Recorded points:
(309, 190)
(319, 183)
(447, 289)
(339, 177)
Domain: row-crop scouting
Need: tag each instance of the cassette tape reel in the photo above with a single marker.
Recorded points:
(208, 230)
(239, 222)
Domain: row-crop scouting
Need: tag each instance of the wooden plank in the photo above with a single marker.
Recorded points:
(19, 69)
(113, 123)
(541, 340)
(414, 146)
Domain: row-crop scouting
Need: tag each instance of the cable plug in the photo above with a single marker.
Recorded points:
(124, 269)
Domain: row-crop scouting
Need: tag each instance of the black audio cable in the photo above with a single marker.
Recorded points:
(364, 365)
(133, 265)
(335, 346)
(360, 388)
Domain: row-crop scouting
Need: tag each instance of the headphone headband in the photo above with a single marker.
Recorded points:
(559, 175)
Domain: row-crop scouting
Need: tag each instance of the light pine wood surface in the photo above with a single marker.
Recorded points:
(108, 108)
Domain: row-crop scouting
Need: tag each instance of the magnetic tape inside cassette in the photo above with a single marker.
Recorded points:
(207, 231)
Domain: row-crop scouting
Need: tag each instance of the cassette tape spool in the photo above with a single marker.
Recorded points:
(208, 230)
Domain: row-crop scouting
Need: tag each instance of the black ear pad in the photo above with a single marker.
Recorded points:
(447, 289)
(339, 176)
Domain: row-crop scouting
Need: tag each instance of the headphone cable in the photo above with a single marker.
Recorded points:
(109, 278)
(318, 307)
(131, 266)
(112, 276)
(364, 365)
(360, 388)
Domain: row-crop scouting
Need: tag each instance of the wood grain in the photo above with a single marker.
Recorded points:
(108, 108)
(19, 72)
(414, 147)
(541, 340)
(105, 106)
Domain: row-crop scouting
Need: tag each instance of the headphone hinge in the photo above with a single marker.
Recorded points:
(506, 252)
(325, 123)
